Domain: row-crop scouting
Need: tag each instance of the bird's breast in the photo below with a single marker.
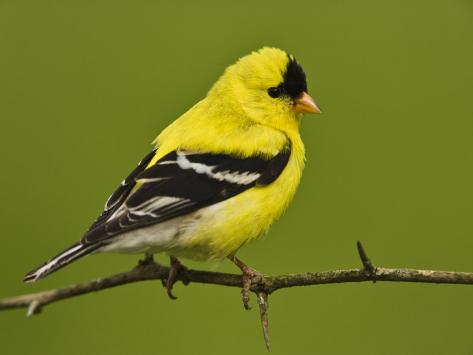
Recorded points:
(221, 229)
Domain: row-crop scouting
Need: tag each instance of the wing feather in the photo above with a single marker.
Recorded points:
(117, 198)
(179, 183)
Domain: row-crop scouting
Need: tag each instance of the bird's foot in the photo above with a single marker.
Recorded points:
(175, 268)
(146, 261)
(249, 276)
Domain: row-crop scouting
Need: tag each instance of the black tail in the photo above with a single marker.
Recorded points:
(72, 253)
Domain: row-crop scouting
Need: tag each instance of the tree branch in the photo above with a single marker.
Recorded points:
(262, 287)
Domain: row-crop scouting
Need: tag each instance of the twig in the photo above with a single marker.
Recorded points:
(263, 287)
(367, 264)
(262, 300)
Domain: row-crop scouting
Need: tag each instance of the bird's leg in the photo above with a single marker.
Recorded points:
(147, 260)
(175, 267)
(246, 279)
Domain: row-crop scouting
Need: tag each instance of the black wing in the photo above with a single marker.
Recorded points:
(180, 183)
(121, 193)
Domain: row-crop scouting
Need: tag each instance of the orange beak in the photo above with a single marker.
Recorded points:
(305, 104)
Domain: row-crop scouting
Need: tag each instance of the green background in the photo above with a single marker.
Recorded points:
(86, 85)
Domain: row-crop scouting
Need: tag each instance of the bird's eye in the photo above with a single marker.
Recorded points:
(274, 92)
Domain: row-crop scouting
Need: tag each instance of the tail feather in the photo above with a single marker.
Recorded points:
(72, 253)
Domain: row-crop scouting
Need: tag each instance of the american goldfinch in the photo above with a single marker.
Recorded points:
(218, 177)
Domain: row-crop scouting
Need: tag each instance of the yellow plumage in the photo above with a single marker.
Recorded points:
(237, 117)
(220, 175)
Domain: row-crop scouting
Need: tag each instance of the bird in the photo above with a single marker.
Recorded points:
(217, 177)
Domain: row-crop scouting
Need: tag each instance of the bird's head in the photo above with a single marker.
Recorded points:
(268, 85)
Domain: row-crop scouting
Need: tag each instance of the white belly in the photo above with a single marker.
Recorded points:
(153, 239)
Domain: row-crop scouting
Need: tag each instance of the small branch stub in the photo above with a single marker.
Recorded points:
(34, 308)
(262, 300)
(367, 264)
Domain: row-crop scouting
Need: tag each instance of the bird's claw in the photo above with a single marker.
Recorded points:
(169, 290)
(249, 276)
(146, 261)
(175, 267)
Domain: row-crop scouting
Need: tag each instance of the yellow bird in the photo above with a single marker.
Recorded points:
(218, 177)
